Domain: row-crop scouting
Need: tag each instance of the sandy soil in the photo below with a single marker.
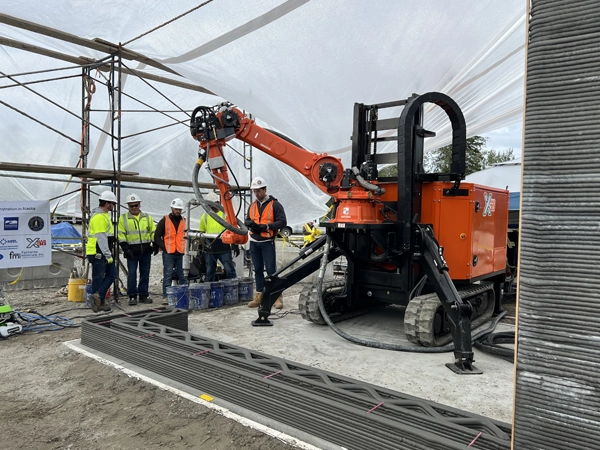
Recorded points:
(54, 398)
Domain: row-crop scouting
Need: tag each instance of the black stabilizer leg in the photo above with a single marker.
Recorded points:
(285, 277)
(267, 301)
(458, 311)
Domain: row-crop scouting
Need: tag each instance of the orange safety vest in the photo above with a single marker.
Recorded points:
(174, 239)
(266, 217)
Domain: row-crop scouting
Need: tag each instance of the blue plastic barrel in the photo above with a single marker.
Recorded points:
(245, 289)
(216, 294)
(199, 295)
(88, 294)
(182, 297)
(172, 295)
(230, 291)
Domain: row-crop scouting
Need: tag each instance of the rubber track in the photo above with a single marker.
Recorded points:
(420, 314)
(309, 306)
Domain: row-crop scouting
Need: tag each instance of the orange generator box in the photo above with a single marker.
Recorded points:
(471, 226)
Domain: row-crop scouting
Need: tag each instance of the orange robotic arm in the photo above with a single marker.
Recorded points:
(214, 126)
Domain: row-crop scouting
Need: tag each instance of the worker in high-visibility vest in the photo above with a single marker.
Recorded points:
(310, 232)
(169, 237)
(214, 248)
(98, 249)
(265, 218)
(136, 237)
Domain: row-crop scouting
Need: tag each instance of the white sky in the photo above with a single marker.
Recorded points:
(507, 137)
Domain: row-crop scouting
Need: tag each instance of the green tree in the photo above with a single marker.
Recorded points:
(477, 156)
(389, 171)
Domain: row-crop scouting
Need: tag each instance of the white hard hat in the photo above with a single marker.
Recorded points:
(131, 198)
(108, 196)
(177, 203)
(258, 183)
(212, 197)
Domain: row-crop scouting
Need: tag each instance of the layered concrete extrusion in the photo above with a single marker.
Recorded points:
(333, 408)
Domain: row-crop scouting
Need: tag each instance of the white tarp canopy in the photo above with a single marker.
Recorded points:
(297, 65)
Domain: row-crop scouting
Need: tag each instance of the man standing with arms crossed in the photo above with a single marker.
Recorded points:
(100, 242)
(169, 237)
(136, 234)
(265, 218)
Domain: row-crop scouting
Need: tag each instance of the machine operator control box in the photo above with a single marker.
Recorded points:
(471, 226)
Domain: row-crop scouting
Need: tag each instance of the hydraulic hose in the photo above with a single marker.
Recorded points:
(208, 206)
(489, 344)
(369, 186)
(384, 346)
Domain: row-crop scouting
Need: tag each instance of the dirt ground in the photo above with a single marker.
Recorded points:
(52, 397)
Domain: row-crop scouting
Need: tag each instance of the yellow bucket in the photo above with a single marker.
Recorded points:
(76, 290)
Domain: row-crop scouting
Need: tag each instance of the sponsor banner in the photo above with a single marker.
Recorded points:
(25, 236)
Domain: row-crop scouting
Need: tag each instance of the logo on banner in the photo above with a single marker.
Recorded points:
(35, 242)
(8, 244)
(11, 223)
(36, 223)
(1, 256)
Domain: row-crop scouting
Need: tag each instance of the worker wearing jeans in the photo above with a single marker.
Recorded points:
(265, 218)
(104, 274)
(136, 235)
(214, 248)
(169, 237)
(98, 249)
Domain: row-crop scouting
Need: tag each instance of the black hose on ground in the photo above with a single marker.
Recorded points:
(489, 344)
(374, 344)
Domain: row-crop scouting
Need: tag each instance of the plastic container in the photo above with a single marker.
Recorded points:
(182, 301)
(88, 294)
(216, 294)
(199, 295)
(172, 295)
(230, 291)
(76, 290)
(245, 289)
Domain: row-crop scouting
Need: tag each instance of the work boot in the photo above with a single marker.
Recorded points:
(96, 302)
(105, 308)
(133, 301)
(279, 302)
(256, 302)
(145, 300)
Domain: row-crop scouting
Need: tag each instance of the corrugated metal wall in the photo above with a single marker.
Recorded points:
(558, 362)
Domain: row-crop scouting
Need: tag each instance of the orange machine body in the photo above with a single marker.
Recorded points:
(471, 228)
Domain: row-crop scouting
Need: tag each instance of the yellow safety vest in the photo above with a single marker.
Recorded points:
(100, 223)
(136, 229)
(210, 225)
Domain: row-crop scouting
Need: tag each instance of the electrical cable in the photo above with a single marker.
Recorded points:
(282, 314)
(38, 323)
